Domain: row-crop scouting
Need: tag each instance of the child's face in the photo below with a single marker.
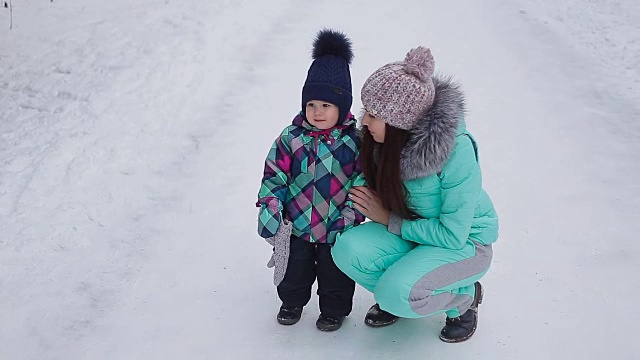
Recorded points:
(376, 126)
(322, 114)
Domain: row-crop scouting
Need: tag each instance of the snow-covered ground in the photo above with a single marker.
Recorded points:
(132, 136)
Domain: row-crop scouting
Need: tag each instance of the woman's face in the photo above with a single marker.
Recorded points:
(375, 125)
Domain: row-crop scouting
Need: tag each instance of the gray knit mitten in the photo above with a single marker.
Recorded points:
(280, 257)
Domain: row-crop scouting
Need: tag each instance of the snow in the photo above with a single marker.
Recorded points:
(132, 136)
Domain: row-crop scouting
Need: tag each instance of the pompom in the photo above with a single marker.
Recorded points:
(331, 42)
(420, 63)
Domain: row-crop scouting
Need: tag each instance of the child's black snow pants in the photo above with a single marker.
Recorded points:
(308, 261)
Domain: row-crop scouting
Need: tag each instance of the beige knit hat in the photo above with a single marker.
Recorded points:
(400, 92)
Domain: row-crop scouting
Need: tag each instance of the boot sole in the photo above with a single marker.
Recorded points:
(378, 324)
(328, 328)
(287, 321)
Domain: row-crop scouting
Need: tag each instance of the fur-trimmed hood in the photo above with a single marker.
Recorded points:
(432, 138)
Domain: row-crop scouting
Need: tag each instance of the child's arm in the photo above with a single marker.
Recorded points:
(273, 191)
(350, 216)
(357, 180)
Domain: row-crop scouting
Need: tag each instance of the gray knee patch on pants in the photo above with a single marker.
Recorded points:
(421, 298)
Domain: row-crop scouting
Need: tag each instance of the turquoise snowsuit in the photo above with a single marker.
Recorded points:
(427, 266)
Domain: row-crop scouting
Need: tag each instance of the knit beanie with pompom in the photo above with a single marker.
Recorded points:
(400, 92)
(329, 77)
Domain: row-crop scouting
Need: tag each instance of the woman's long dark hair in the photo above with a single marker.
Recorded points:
(383, 173)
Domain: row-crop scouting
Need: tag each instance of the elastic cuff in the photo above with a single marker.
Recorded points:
(453, 313)
(395, 224)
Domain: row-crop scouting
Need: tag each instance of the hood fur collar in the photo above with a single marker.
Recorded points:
(432, 139)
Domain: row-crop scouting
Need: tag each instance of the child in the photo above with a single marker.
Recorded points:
(303, 198)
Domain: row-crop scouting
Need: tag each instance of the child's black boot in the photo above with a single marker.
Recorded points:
(329, 322)
(289, 315)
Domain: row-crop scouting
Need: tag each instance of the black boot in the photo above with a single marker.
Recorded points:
(462, 327)
(329, 322)
(289, 315)
(377, 317)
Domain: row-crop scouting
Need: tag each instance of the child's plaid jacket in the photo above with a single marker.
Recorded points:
(307, 177)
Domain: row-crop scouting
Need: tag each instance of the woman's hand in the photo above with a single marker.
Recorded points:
(368, 203)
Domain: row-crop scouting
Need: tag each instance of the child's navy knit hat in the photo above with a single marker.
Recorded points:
(329, 78)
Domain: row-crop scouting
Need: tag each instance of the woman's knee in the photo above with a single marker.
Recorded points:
(349, 252)
(366, 253)
(343, 248)
(392, 294)
(342, 252)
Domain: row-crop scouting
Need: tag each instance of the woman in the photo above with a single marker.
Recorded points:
(429, 241)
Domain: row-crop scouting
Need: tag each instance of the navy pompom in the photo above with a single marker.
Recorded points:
(332, 42)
